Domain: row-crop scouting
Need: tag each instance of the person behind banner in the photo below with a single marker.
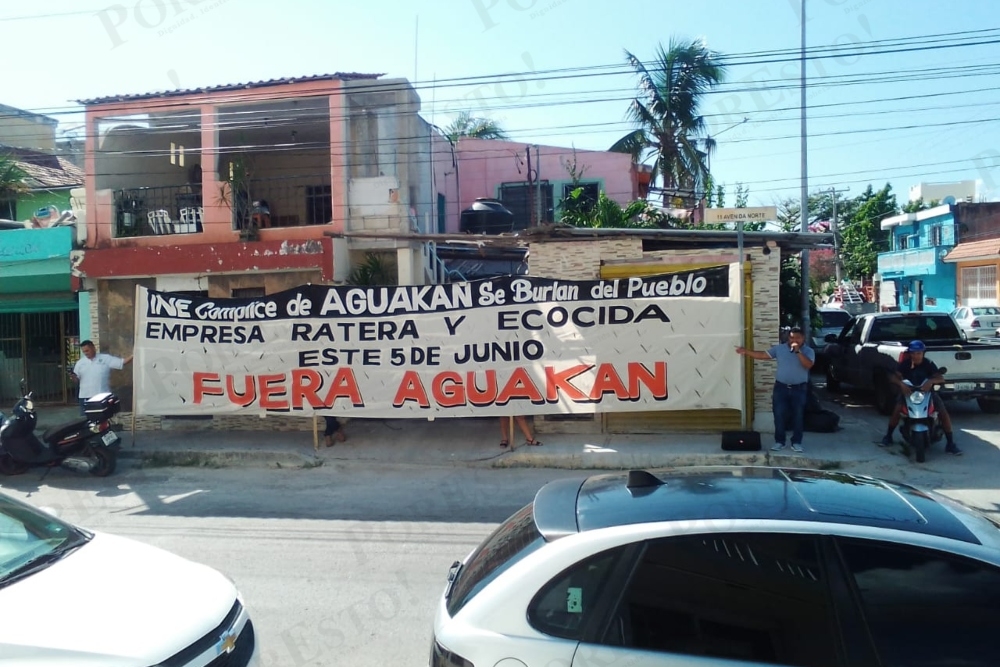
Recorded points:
(93, 372)
(334, 431)
(791, 386)
(522, 422)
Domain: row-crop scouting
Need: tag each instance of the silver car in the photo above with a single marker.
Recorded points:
(978, 321)
(728, 566)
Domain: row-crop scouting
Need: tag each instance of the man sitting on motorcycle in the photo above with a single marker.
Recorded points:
(923, 374)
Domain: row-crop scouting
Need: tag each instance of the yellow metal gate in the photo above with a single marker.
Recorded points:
(690, 421)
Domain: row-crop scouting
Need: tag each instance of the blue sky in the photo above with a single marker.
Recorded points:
(132, 47)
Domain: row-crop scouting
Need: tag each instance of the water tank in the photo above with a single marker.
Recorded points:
(486, 216)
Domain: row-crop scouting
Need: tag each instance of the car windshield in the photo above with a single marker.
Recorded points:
(31, 540)
(986, 311)
(835, 320)
(904, 328)
(513, 540)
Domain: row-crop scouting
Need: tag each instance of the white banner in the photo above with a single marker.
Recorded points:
(508, 346)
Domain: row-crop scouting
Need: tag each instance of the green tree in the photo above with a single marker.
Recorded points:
(670, 128)
(12, 178)
(862, 238)
(467, 125)
(918, 205)
(607, 213)
(790, 290)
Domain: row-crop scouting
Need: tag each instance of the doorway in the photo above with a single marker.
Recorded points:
(40, 348)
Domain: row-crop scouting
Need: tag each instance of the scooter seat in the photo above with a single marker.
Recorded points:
(57, 433)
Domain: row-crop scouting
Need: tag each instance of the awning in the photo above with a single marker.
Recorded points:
(37, 303)
(43, 275)
(988, 249)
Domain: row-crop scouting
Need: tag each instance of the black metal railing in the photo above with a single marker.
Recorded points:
(283, 202)
(155, 211)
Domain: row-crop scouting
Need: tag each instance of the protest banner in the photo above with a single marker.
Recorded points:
(516, 345)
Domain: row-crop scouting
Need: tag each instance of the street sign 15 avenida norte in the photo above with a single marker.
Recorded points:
(750, 214)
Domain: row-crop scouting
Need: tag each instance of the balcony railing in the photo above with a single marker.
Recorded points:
(284, 202)
(156, 211)
(921, 260)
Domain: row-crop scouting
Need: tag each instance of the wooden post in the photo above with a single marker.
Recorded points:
(135, 366)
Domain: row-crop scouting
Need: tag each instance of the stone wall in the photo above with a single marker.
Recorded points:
(582, 260)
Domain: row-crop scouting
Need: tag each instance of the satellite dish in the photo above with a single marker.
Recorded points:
(949, 200)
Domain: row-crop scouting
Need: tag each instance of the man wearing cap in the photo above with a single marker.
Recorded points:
(923, 374)
(791, 386)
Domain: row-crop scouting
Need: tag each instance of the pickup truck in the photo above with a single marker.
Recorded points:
(870, 346)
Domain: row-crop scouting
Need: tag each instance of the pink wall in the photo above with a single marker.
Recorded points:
(485, 164)
(218, 227)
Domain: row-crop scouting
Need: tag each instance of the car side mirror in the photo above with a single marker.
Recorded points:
(943, 370)
(831, 338)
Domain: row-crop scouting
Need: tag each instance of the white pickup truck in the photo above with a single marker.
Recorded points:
(870, 347)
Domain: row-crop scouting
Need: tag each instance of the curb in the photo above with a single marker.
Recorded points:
(199, 458)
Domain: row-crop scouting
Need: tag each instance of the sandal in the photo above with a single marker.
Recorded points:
(533, 443)
(504, 444)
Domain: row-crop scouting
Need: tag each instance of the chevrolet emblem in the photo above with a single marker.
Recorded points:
(227, 643)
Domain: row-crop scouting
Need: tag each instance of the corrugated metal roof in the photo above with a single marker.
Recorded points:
(337, 76)
(45, 171)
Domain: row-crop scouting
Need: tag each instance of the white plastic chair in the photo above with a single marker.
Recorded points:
(160, 221)
(191, 219)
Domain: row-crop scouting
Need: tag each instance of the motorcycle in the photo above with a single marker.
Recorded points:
(920, 426)
(87, 444)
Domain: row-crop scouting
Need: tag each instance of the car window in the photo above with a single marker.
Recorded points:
(835, 319)
(985, 311)
(565, 605)
(754, 597)
(28, 537)
(924, 607)
(859, 326)
(903, 329)
(513, 540)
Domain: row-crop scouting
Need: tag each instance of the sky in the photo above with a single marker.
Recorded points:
(927, 115)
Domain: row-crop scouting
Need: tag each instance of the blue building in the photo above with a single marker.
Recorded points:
(914, 268)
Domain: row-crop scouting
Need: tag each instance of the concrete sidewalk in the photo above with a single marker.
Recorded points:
(475, 443)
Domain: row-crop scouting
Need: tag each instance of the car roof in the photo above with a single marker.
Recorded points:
(708, 493)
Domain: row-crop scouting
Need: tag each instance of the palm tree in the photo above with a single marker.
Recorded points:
(670, 128)
(466, 125)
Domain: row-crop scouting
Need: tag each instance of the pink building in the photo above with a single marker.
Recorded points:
(483, 168)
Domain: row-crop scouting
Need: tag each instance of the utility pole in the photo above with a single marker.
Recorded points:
(531, 191)
(836, 234)
(804, 209)
(538, 185)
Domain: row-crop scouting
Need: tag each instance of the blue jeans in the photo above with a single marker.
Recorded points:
(789, 403)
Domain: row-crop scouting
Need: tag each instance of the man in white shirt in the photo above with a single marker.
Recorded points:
(93, 371)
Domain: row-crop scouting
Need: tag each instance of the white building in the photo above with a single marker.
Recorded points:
(962, 191)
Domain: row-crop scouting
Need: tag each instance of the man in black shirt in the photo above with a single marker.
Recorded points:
(923, 374)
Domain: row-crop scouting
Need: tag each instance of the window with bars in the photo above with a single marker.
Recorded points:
(319, 204)
(979, 284)
(934, 235)
(8, 209)
(519, 199)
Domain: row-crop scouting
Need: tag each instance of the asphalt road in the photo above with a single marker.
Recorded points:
(344, 564)
(340, 565)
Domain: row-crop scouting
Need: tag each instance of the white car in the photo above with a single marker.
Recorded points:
(978, 321)
(73, 597)
(727, 566)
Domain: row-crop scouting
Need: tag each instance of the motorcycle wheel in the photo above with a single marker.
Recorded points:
(107, 461)
(10, 467)
(920, 444)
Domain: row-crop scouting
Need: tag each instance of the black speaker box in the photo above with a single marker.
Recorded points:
(741, 441)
